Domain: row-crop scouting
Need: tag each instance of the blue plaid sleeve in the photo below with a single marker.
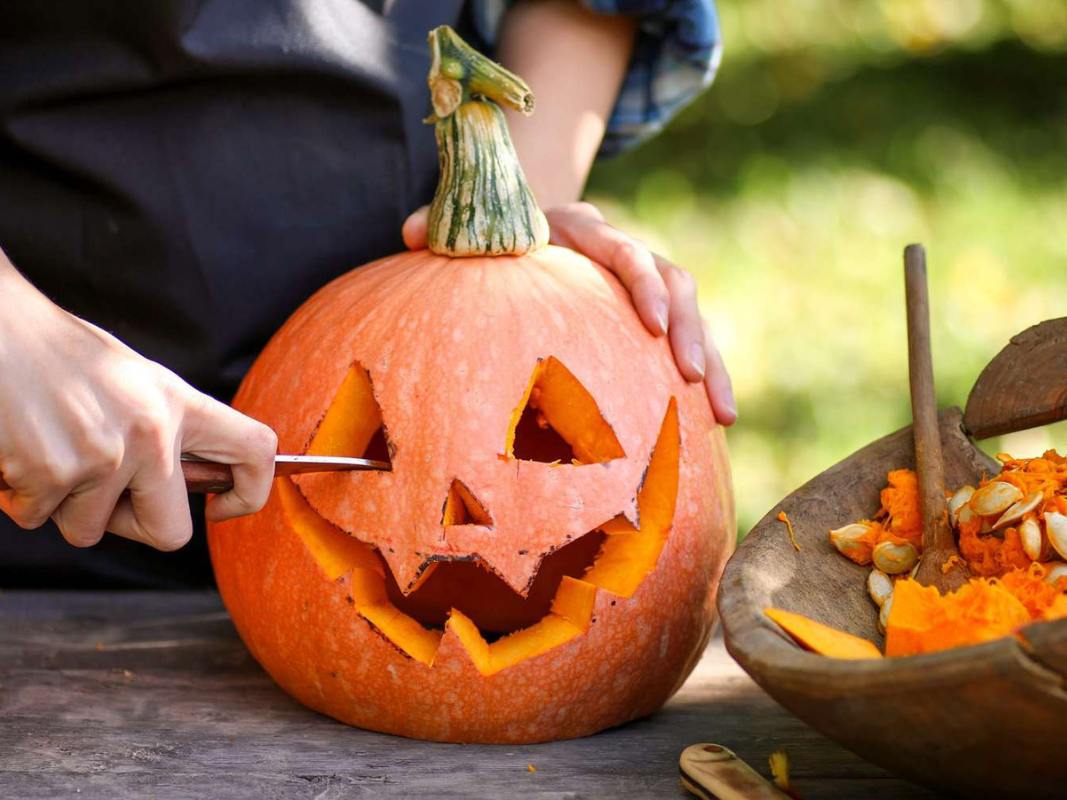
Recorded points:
(675, 56)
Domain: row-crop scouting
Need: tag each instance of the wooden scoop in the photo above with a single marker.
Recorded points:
(940, 564)
(1025, 386)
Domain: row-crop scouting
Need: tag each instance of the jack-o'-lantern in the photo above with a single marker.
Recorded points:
(540, 561)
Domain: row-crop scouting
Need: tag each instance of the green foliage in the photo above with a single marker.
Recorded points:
(836, 133)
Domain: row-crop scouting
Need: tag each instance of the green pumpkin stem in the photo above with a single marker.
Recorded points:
(483, 205)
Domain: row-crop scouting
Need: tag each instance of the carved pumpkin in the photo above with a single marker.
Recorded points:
(541, 560)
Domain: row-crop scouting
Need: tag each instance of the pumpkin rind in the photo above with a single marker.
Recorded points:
(447, 382)
(336, 584)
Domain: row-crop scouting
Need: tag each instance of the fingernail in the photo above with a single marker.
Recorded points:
(696, 359)
(661, 317)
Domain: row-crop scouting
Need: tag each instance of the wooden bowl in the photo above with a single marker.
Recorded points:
(988, 720)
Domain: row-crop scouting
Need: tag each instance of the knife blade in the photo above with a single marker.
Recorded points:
(211, 477)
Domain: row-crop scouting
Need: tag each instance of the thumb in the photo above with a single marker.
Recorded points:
(415, 227)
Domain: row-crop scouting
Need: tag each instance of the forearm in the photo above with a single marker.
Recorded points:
(575, 62)
(21, 305)
(10, 279)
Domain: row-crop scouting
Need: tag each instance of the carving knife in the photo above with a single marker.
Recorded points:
(203, 477)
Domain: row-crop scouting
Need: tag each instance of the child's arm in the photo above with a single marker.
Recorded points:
(574, 62)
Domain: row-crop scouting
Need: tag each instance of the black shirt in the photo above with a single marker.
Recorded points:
(184, 174)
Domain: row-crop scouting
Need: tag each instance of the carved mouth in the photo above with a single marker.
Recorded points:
(470, 586)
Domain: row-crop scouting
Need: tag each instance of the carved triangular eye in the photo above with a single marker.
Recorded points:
(558, 420)
(353, 423)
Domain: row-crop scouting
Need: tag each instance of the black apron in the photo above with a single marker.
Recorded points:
(184, 173)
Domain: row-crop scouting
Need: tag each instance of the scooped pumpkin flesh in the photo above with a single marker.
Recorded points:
(1011, 587)
(922, 620)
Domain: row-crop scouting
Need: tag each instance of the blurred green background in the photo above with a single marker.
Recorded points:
(836, 132)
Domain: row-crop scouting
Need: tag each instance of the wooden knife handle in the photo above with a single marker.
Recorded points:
(714, 772)
(201, 477)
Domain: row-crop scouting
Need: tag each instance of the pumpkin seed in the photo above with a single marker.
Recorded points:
(994, 497)
(1056, 528)
(1032, 539)
(851, 539)
(883, 615)
(1020, 509)
(964, 515)
(893, 558)
(879, 587)
(959, 500)
(1055, 572)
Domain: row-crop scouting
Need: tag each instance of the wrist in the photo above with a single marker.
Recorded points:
(13, 287)
(22, 307)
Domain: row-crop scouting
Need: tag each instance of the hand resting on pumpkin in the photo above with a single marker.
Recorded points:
(664, 294)
(83, 419)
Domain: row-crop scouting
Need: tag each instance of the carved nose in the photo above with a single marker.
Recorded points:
(461, 507)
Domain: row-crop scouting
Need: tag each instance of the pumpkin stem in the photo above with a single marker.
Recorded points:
(483, 205)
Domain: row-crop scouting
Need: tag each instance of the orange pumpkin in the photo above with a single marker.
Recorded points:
(542, 559)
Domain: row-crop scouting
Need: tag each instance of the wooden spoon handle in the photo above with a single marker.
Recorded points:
(928, 459)
(938, 542)
(201, 477)
(714, 772)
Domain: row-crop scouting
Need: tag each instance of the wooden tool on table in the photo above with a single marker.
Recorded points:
(211, 477)
(940, 564)
(713, 772)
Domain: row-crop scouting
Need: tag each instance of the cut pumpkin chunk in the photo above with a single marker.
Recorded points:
(823, 639)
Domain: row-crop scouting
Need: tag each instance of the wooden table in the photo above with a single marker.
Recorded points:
(107, 695)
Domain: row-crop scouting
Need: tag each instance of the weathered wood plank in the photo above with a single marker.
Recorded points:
(141, 695)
